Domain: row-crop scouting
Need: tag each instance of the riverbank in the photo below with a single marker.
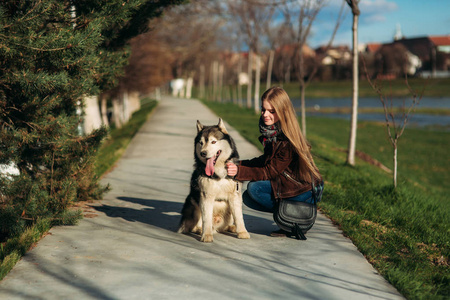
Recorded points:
(422, 117)
(434, 87)
(367, 110)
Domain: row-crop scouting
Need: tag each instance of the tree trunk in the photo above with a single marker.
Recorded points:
(125, 107)
(117, 112)
(354, 120)
(302, 82)
(287, 75)
(210, 89)
(104, 110)
(257, 83)
(134, 102)
(269, 69)
(249, 86)
(189, 84)
(215, 77)
(221, 89)
(202, 82)
(303, 109)
(158, 94)
(239, 86)
(395, 165)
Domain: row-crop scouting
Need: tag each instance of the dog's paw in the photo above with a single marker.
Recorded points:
(182, 229)
(207, 238)
(243, 235)
(231, 228)
(197, 230)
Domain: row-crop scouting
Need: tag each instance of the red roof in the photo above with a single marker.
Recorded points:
(441, 40)
(373, 47)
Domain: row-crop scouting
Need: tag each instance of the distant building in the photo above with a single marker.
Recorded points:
(441, 55)
(423, 56)
(394, 60)
(335, 62)
(434, 53)
(398, 33)
(371, 48)
(286, 61)
(442, 43)
(334, 55)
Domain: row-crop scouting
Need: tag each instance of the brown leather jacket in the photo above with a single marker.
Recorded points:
(276, 165)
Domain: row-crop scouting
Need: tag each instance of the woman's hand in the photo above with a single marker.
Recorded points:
(231, 169)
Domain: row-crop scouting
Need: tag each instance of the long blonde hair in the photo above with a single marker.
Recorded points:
(282, 104)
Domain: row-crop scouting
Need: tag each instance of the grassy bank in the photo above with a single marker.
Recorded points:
(113, 147)
(370, 110)
(437, 87)
(403, 232)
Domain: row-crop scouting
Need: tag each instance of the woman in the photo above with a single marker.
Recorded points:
(286, 168)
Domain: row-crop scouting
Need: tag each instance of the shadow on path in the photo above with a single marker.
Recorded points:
(166, 215)
(243, 259)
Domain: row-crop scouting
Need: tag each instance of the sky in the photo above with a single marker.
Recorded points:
(379, 20)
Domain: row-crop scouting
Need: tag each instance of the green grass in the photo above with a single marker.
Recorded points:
(437, 87)
(15, 247)
(403, 232)
(379, 110)
(119, 138)
(423, 154)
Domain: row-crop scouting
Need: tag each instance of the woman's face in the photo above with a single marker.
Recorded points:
(268, 113)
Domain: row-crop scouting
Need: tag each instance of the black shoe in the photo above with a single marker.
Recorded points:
(280, 233)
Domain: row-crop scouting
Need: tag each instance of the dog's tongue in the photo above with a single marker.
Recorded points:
(209, 170)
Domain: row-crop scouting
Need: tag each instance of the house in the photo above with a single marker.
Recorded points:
(422, 56)
(434, 53)
(442, 43)
(395, 60)
(370, 48)
(334, 55)
(442, 51)
(335, 62)
(286, 61)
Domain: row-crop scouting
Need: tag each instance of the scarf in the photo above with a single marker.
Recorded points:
(269, 133)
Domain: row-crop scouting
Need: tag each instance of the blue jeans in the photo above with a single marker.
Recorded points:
(259, 196)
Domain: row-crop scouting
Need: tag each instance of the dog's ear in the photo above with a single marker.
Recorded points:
(199, 126)
(222, 126)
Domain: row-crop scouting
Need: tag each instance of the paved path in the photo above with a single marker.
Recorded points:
(127, 246)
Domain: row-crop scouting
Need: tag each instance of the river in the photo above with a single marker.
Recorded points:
(417, 119)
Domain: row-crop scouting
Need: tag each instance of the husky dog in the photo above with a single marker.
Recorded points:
(214, 202)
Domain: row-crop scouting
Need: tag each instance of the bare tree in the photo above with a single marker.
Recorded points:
(197, 38)
(149, 64)
(252, 18)
(394, 127)
(280, 38)
(306, 12)
(354, 121)
(212, 29)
